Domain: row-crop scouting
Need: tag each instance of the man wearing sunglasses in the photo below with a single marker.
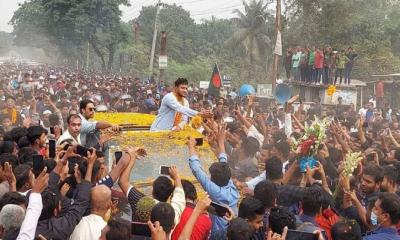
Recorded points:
(87, 109)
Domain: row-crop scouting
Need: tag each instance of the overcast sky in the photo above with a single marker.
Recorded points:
(199, 9)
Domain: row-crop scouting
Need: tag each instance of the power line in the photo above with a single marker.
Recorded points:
(215, 10)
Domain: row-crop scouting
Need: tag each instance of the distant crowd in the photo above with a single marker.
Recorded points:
(319, 65)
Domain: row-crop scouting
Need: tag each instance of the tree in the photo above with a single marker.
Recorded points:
(69, 25)
(254, 30)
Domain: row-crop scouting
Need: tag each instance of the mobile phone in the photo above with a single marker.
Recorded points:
(118, 155)
(52, 130)
(164, 170)
(38, 163)
(199, 141)
(307, 161)
(140, 229)
(52, 148)
(299, 235)
(65, 148)
(82, 150)
(220, 210)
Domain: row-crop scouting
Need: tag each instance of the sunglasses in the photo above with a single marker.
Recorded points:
(92, 109)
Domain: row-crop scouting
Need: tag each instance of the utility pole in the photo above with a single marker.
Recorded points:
(136, 31)
(153, 46)
(87, 56)
(163, 52)
(276, 56)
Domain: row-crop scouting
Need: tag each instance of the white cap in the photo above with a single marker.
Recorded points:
(47, 112)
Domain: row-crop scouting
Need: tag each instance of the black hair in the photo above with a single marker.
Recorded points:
(283, 147)
(162, 188)
(18, 132)
(220, 173)
(346, 230)
(181, 81)
(54, 119)
(72, 116)
(250, 146)
(50, 202)
(189, 189)
(118, 229)
(374, 171)
(8, 157)
(7, 147)
(266, 192)
(165, 214)
(25, 155)
(250, 207)
(239, 229)
(391, 173)
(267, 147)
(82, 164)
(280, 217)
(273, 168)
(34, 133)
(23, 142)
(21, 173)
(312, 200)
(84, 103)
(390, 204)
(12, 198)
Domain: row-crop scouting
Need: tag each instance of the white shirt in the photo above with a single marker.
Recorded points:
(253, 132)
(362, 112)
(89, 228)
(28, 227)
(66, 135)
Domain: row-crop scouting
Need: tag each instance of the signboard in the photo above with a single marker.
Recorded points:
(162, 62)
(348, 96)
(264, 90)
(227, 81)
(204, 84)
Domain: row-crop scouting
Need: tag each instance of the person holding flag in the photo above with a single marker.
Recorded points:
(174, 111)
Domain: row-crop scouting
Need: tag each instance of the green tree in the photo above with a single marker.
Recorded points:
(252, 38)
(69, 25)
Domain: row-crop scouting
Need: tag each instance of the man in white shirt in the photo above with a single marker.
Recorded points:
(73, 132)
(90, 226)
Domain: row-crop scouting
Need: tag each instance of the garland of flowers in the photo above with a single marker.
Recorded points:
(313, 137)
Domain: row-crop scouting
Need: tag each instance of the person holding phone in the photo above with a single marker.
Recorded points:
(37, 137)
(220, 186)
(175, 111)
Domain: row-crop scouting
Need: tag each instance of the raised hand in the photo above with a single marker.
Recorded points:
(41, 182)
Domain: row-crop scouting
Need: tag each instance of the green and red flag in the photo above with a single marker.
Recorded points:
(215, 82)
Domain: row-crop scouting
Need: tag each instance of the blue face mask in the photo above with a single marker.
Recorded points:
(374, 219)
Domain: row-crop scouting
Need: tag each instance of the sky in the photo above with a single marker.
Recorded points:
(199, 9)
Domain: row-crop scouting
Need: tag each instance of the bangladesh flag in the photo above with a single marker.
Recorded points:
(215, 82)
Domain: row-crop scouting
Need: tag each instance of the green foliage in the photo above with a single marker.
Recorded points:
(69, 25)
(371, 27)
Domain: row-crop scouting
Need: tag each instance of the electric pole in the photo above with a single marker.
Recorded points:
(276, 56)
(153, 46)
(136, 31)
(163, 52)
(87, 56)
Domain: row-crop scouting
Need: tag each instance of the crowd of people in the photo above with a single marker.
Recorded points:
(255, 189)
(316, 65)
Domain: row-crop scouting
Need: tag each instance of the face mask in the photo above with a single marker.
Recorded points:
(374, 219)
